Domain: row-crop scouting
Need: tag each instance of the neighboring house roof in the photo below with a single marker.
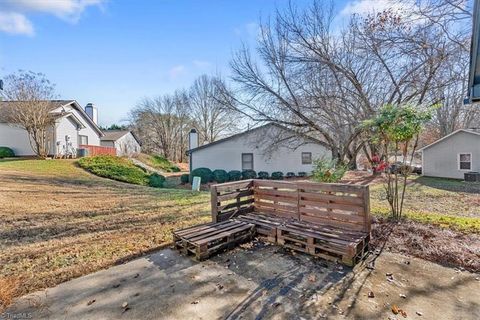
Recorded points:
(253, 130)
(114, 135)
(449, 135)
(55, 104)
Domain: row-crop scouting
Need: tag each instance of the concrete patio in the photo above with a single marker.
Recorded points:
(260, 281)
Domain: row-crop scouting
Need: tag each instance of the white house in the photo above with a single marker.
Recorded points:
(74, 126)
(269, 148)
(453, 155)
(123, 140)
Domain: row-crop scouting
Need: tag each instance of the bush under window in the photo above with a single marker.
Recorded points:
(277, 175)
(263, 175)
(234, 175)
(220, 176)
(249, 174)
(205, 174)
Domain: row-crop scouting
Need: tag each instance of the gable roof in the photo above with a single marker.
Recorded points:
(114, 135)
(448, 136)
(54, 104)
(253, 130)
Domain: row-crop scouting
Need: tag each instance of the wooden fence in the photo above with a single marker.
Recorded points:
(99, 150)
(343, 205)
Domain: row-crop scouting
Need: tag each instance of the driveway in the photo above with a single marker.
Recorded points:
(260, 281)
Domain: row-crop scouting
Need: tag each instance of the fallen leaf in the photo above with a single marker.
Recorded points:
(91, 302)
(395, 309)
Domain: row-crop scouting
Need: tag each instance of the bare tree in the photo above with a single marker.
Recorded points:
(323, 80)
(162, 124)
(29, 104)
(211, 118)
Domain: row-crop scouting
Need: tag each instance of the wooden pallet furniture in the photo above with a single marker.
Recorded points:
(265, 224)
(204, 240)
(327, 220)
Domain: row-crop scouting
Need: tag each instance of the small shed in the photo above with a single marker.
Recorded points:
(453, 155)
(124, 141)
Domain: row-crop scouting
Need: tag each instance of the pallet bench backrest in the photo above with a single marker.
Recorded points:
(341, 205)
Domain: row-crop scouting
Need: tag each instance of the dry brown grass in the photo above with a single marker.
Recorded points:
(8, 289)
(443, 246)
(58, 222)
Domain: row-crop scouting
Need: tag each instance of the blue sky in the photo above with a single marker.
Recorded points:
(115, 52)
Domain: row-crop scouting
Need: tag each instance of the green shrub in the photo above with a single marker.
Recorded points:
(156, 180)
(263, 175)
(220, 176)
(184, 178)
(204, 173)
(249, 174)
(290, 175)
(164, 164)
(115, 168)
(6, 152)
(277, 175)
(328, 170)
(302, 174)
(234, 175)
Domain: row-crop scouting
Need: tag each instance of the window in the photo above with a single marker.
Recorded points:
(464, 161)
(83, 139)
(306, 158)
(247, 161)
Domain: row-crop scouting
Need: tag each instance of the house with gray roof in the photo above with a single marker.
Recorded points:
(124, 141)
(270, 147)
(74, 126)
(453, 155)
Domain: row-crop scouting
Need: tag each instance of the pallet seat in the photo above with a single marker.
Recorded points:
(204, 240)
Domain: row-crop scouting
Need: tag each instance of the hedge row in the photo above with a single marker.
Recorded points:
(220, 176)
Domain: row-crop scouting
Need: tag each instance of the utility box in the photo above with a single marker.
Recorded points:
(472, 176)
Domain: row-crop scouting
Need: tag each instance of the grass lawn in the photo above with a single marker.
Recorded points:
(58, 222)
(158, 162)
(443, 202)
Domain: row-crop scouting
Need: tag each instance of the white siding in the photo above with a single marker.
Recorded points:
(127, 145)
(93, 136)
(227, 155)
(65, 127)
(16, 139)
(441, 159)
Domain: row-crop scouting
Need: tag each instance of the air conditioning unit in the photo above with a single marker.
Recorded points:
(472, 176)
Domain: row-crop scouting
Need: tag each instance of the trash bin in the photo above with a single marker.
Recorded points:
(82, 152)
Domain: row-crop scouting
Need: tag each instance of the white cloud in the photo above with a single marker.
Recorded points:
(363, 7)
(15, 23)
(177, 71)
(15, 13)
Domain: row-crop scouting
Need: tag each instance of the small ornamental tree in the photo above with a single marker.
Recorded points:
(395, 130)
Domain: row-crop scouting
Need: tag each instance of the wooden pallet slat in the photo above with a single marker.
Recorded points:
(207, 240)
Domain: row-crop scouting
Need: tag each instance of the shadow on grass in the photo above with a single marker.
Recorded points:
(449, 184)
